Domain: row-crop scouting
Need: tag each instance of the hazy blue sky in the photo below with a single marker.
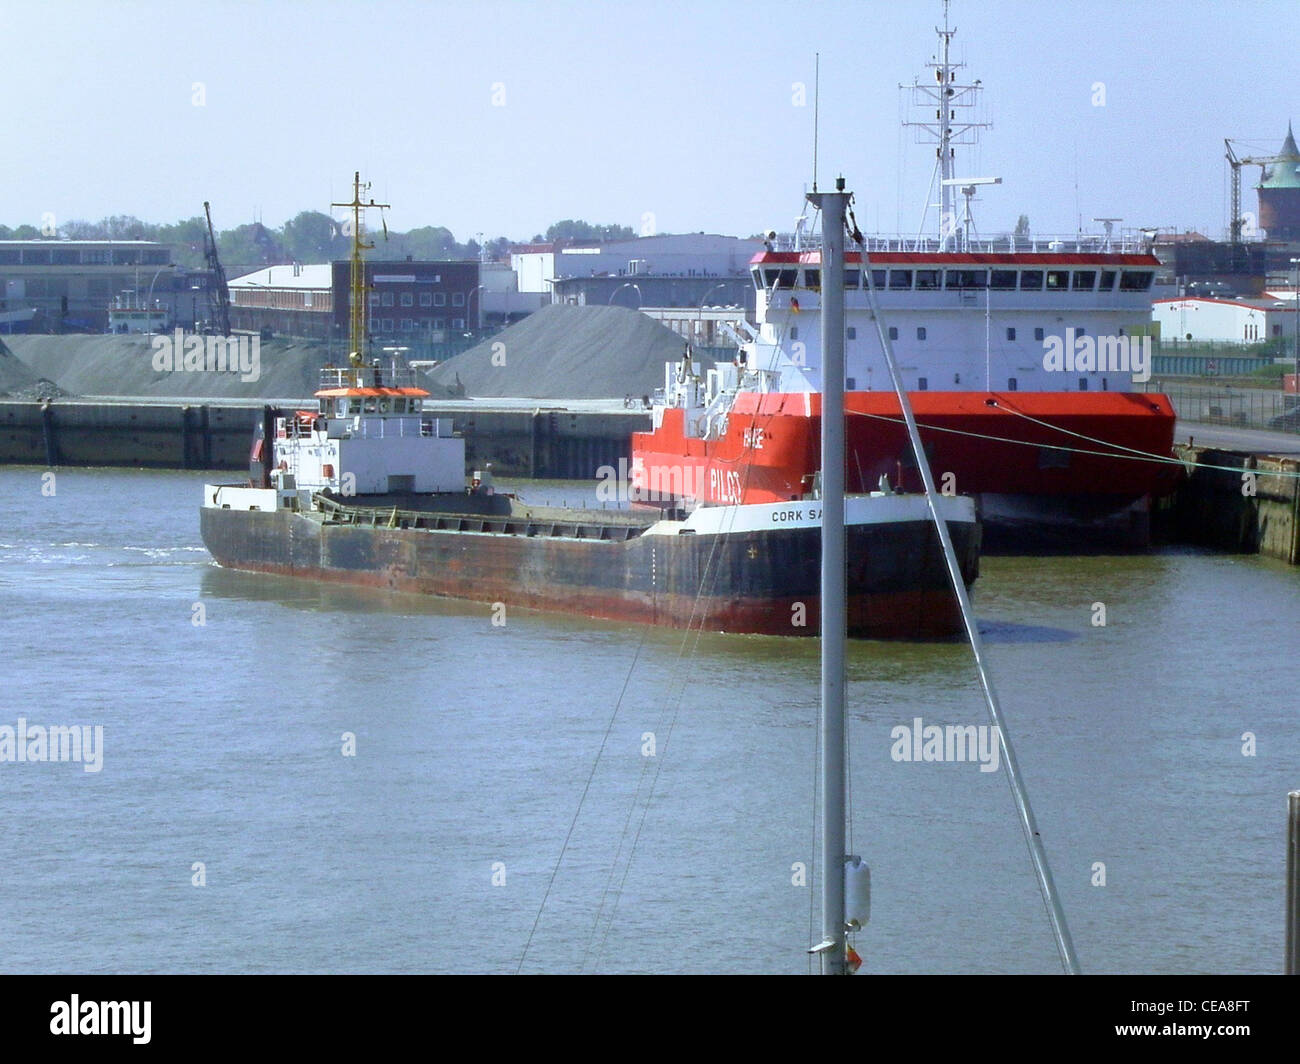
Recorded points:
(615, 110)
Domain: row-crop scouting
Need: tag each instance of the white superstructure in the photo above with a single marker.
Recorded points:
(956, 321)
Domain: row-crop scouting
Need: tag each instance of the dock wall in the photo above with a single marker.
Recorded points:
(518, 441)
(1249, 504)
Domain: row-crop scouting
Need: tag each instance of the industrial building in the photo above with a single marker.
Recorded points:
(684, 270)
(289, 300)
(1261, 244)
(1242, 321)
(68, 285)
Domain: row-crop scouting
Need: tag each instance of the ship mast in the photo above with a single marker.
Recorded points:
(357, 291)
(834, 615)
(946, 96)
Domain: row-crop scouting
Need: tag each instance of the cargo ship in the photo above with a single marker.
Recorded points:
(1020, 359)
(367, 489)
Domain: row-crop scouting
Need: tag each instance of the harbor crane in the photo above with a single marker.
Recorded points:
(218, 290)
(1236, 221)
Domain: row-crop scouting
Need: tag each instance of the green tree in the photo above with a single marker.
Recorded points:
(248, 247)
(427, 242)
(1022, 228)
(186, 238)
(569, 229)
(313, 237)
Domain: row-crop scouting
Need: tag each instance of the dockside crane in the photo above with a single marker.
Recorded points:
(218, 290)
(1235, 224)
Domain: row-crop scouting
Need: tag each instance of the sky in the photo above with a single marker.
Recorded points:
(502, 117)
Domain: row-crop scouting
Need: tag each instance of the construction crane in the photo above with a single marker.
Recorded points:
(218, 290)
(1235, 224)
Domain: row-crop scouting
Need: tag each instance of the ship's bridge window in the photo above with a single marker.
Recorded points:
(900, 279)
(1084, 280)
(1031, 280)
(852, 278)
(927, 279)
(383, 406)
(813, 279)
(369, 406)
(1135, 281)
(966, 279)
(1003, 280)
(758, 278)
(1058, 280)
(1107, 281)
(877, 278)
(780, 278)
(322, 406)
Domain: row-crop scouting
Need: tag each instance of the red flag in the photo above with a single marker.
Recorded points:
(852, 961)
(794, 304)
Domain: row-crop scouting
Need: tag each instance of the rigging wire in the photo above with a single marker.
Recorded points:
(581, 801)
(680, 682)
(1038, 854)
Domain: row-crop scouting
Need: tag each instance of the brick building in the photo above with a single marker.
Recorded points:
(411, 301)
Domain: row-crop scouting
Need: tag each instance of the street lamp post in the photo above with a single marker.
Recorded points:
(148, 303)
(627, 284)
(699, 317)
(1295, 265)
(481, 288)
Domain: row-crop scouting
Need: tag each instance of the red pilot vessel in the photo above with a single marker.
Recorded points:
(1020, 358)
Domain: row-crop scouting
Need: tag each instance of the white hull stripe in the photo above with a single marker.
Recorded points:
(858, 510)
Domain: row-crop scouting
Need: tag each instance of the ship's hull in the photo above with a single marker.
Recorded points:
(756, 574)
(1059, 459)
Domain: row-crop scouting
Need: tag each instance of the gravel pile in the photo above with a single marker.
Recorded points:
(564, 352)
(124, 365)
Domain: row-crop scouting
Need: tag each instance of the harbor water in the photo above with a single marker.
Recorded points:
(297, 778)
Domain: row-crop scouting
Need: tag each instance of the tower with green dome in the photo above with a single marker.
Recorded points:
(1279, 193)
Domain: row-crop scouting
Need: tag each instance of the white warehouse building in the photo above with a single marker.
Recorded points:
(1242, 321)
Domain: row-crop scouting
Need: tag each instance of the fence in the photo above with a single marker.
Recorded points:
(1218, 358)
(1246, 407)
(1179, 365)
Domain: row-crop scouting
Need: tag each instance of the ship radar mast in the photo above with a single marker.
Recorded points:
(358, 309)
(949, 99)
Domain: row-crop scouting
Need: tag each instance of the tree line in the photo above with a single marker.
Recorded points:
(309, 236)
